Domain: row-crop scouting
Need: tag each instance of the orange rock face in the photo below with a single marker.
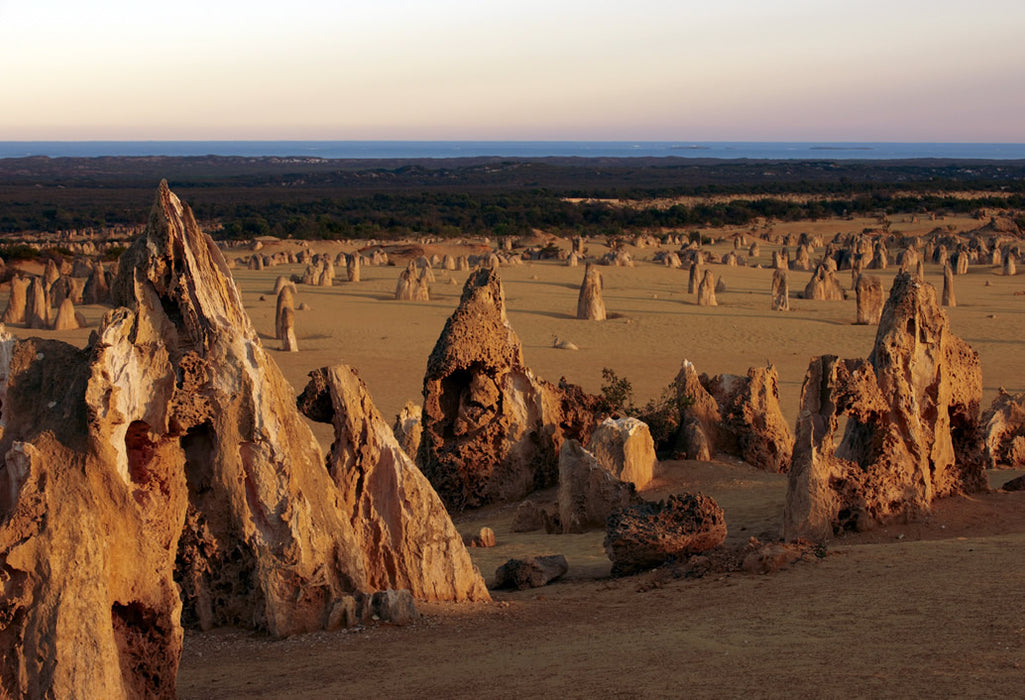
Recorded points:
(403, 531)
(492, 431)
(912, 423)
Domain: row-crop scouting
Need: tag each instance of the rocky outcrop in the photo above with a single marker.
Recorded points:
(404, 534)
(266, 542)
(286, 300)
(623, 446)
(96, 290)
(588, 492)
(287, 330)
(411, 285)
(1003, 430)
(694, 276)
(92, 501)
(751, 423)
(492, 431)
(352, 267)
(869, 295)
(912, 423)
(590, 306)
(737, 415)
(647, 535)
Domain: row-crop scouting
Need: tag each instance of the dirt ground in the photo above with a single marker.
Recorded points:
(917, 609)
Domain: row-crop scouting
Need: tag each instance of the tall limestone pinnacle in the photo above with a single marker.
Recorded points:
(163, 475)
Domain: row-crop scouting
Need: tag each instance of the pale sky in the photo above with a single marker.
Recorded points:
(858, 70)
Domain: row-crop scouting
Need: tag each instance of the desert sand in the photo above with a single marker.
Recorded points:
(923, 608)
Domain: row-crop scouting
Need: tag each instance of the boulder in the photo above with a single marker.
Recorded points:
(532, 572)
(590, 306)
(912, 423)
(648, 535)
(625, 449)
(403, 532)
(588, 492)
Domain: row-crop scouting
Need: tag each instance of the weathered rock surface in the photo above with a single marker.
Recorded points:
(37, 305)
(91, 508)
(532, 572)
(623, 446)
(1003, 427)
(912, 423)
(751, 423)
(266, 542)
(590, 306)
(408, 428)
(869, 295)
(403, 533)
(17, 301)
(738, 415)
(647, 535)
(492, 431)
(65, 320)
(588, 492)
(286, 300)
(824, 286)
(780, 291)
(706, 290)
(288, 340)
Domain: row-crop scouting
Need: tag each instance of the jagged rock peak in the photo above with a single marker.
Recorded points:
(478, 330)
(187, 271)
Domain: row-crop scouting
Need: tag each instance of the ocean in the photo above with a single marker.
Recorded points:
(768, 150)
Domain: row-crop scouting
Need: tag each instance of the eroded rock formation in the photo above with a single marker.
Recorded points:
(492, 431)
(266, 543)
(403, 532)
(92, 501)
(912, 423)
(780, 291)
(1003, 431)
(869, 295)
(590, 306)
(706, 290)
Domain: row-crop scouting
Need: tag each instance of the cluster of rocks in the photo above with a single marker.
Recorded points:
(163, 475)
(732, 414)
(48, 301)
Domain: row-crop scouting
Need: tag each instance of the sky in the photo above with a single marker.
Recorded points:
(758, 70)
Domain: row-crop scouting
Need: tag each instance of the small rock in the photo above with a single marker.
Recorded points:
(532, 572)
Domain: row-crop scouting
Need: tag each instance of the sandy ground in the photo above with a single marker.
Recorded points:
(926, 609)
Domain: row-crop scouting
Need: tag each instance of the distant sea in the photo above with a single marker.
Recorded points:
(768, 150)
